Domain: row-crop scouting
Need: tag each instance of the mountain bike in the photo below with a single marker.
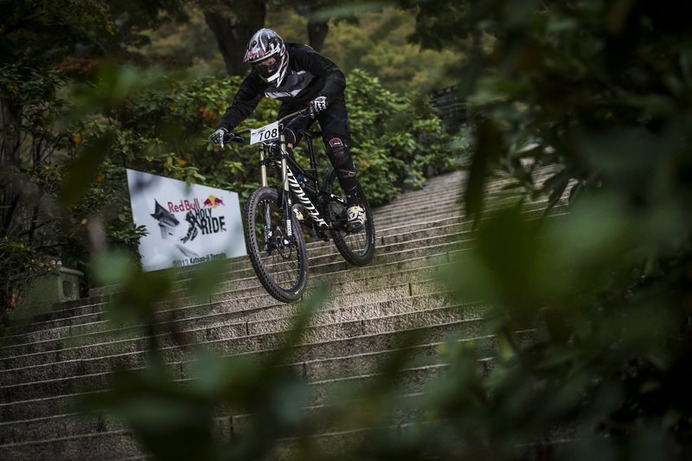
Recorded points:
(296, 196)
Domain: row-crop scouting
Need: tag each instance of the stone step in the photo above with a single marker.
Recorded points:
(92, 318)
(236, 310)
(355, 337)
(336, 323)
(89, 366)
(248, 275)
(423, 363)
(49, 362)
(329, 267)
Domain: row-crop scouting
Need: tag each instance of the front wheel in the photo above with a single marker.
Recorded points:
(357, 247)
(276, 247)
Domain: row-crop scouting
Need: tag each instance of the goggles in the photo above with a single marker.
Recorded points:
(267, 67)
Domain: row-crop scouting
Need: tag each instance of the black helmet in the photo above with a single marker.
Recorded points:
(267, 53)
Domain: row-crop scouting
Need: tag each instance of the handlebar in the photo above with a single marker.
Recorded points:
(303, 112)
(237, 138)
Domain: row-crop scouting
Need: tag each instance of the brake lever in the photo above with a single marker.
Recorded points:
(236, 138)
(232, 137)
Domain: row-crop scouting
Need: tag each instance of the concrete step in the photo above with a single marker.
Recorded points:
(346, 339)
(341, 282)
(437, 241)
(264, 334)
(242, 275)
(424, 363)
(238, 316)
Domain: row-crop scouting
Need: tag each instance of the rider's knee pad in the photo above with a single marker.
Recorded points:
(341, 157)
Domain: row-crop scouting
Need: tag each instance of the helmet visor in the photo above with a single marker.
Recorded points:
(267, 67)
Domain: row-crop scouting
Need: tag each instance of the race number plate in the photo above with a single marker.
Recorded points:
(266, 133)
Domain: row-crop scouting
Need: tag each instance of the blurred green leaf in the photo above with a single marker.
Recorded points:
(84, 169)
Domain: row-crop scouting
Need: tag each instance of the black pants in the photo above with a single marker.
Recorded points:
(336, 136)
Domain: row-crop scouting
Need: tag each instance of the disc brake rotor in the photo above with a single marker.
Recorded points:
(280, 244)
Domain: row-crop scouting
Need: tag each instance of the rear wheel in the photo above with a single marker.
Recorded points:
(357, 247)
(277, 253)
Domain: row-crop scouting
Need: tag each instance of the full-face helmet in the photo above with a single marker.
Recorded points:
(267, 53)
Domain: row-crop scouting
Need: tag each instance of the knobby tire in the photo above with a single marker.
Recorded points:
(281, 263)
(358, 248)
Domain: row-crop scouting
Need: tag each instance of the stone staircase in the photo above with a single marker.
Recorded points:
(73, 349)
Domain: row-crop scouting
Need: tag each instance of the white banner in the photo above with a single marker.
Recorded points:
(185, 225)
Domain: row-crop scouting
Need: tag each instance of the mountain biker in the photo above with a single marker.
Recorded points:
(299, 77)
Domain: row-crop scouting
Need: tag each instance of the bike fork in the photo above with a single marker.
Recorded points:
(286, 195)
(266, 208)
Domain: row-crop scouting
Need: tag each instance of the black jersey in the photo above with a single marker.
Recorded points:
(309, 74)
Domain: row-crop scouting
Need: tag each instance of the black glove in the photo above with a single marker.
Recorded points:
(217, 137)
(317, 105)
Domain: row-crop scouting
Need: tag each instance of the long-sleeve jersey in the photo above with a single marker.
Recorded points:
(309, 75)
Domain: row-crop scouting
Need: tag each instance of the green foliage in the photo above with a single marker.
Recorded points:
(45, 35)
(190, 44)
(379, 44)
(588, 101)
(29, 33)
(164, 130)
(29, 111)
(372, 36)
(35, 139)
(395, 141)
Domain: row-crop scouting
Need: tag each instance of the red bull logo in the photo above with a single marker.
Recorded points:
(213, 201)
(183, 205)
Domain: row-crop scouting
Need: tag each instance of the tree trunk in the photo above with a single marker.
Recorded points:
(233, 24)
(10, 118)
(10, 122)
(317, 33)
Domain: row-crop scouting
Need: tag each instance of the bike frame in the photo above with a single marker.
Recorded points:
(290, 185)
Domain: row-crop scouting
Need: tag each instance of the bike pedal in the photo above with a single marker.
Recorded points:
(352, 228)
